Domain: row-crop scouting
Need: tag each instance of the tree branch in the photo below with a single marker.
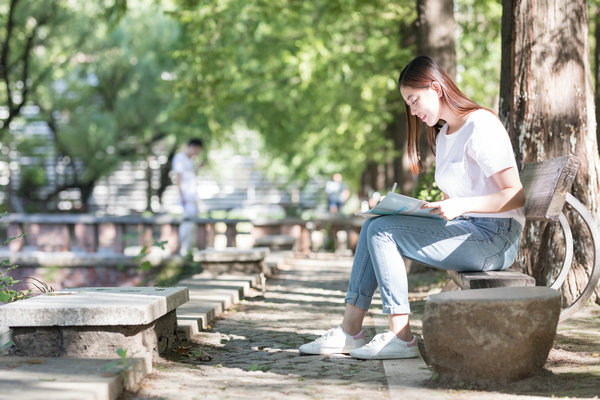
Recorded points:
(4, 54)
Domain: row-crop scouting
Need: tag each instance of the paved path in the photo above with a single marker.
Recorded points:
(254, 346)
(251, 351)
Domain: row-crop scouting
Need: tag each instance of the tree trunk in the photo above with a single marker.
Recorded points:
(547, 105)
(435, 38)
(597, 66)
(165, 169)
(435, 32)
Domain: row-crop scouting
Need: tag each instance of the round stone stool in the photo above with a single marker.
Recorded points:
(490, 335)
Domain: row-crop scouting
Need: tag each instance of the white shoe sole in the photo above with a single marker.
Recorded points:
(328, 351)
(384, 356)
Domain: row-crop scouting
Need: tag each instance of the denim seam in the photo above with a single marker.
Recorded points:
(404, 229)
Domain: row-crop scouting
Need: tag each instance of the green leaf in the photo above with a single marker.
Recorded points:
(143, 252)
(145, 266)
(122, 352)
(13, 238)
(5, 297)
(161, 244)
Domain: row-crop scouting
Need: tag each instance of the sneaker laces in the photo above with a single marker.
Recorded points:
(326, 336)
(381, 338)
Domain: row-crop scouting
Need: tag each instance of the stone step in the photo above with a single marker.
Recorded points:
(67, 378)
(210, 295)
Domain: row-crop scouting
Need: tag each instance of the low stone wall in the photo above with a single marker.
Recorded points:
(69, 277)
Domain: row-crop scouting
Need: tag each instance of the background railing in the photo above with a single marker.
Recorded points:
(86, 233)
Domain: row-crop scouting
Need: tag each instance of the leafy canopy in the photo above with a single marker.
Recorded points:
(315, 78)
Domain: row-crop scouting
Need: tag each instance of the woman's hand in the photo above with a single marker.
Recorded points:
(510, 195)
(447, 209)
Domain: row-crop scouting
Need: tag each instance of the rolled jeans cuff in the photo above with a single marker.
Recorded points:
(394, 310)
(358, 300)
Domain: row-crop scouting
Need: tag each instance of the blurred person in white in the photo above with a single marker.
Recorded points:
(185, 172)
(337, 193)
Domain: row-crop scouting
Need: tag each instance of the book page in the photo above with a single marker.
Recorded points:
(394, 203)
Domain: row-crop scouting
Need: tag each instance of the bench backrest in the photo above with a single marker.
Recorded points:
(546, 184)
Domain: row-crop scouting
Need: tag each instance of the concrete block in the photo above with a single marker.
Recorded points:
(233, 260)
(68, 378)
(95, 322)
(231, 254)
(490, 335)
(147, 341)
(107, 306)
(276, 242)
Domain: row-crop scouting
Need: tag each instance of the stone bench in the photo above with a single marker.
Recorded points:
(276, 242)
(547, 186)
(234, 260)
(492, 335)
(95, 322)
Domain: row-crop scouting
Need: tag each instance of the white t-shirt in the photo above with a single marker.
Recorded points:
(184, 166)
(466, 159)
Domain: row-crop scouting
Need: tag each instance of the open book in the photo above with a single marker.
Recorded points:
(394, 203)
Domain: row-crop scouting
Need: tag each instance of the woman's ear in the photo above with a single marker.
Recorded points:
(437, 87)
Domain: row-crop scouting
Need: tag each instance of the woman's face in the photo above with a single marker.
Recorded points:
(423, 102)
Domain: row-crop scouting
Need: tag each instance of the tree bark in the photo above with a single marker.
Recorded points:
(435, 38)
(435, 32)
(597, 66)
(547, 105)
(165, 169)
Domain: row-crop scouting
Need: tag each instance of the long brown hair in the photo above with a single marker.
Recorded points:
(420, 73)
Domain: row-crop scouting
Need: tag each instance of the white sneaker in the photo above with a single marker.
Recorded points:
(386, 346)
(334, 341)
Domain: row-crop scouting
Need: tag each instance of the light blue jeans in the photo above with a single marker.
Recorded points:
(463, 244)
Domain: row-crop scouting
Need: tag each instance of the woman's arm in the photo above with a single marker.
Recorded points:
(509, 196)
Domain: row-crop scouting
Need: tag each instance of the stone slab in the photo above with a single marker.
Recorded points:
(490, 335)
(201, 285)
(276, 242)
(490, 279)
(277, 259)
(196, 315)
(66, 378)
(68, 259)
(210, 295)
(108, 306)
(231, 254)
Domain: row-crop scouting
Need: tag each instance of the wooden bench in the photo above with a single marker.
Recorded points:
(547, 186)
